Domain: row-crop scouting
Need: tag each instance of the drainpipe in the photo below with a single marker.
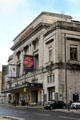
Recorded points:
(65, 69)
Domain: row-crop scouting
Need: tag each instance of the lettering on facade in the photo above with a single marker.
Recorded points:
(23, 35)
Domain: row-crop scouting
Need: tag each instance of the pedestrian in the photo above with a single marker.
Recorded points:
(15, 102)
(27, 102)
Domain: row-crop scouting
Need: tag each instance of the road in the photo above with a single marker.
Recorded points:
(36, 114)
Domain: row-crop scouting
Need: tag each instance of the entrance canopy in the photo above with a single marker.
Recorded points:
(26, 85)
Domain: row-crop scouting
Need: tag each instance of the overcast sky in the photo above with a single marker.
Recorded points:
(15, 15)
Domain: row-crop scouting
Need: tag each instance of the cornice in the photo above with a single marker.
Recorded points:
(63, 25)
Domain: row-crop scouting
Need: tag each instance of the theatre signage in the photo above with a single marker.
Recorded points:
(28, 63)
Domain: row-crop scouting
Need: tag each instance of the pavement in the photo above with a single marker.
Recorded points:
(68, 111)
(35, 107)
(42, 109)
(54, 110)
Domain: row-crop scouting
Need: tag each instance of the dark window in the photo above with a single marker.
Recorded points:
(48, 79)
(53, 79)
(18, 55)
(36, 60)
(73, 53)
(26, 50)
(18, 70)
(35, 44)
(50, 54)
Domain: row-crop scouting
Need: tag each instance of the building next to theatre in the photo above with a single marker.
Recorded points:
(0, 81)
(52, 41)
(2, 96)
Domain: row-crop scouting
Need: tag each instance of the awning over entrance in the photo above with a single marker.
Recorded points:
(26, 85)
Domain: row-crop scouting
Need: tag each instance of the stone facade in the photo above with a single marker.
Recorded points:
(54, 41)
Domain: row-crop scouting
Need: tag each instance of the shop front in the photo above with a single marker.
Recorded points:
(31, 96)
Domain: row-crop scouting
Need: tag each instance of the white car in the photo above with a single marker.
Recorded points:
(75, 105)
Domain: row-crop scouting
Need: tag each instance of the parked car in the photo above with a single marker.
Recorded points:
(55, 105)
(61, 104)
(50, 105)
(75, 105)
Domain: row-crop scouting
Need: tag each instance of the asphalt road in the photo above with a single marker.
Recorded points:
(36, 114)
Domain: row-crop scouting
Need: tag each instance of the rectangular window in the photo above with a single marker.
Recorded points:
(36, 59)
(50, 79)
(18, 55)
(73, 53)
(50, 54)
(26, 50)
(51, 95)
(35, 44)
(53, 79)
(18, 70)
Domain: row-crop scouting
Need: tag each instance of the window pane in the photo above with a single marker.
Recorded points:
(73, 53)
(36, 59)
(53, 79)
(48, 79)
(50, 54)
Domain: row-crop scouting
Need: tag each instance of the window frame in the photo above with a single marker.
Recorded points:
(73, 53)
(50, 52)
(51, 78)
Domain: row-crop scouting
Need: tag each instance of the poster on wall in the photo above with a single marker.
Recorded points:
(12, 71)
(28, 63)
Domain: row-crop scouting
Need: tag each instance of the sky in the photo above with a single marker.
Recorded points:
(15, 15)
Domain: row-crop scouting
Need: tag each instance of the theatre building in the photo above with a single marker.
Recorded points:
(46, 61)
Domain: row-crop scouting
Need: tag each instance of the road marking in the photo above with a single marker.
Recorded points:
(41, 114)
(71, 118)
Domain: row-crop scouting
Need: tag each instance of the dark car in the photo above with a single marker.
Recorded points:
(55, 105)
(61, 104)
(50, 105)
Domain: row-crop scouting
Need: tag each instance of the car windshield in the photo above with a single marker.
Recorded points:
(52, 102)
